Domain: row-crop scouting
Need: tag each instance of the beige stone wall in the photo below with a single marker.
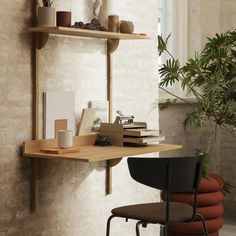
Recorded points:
(205, 19)
(72, 197)
(191, 138)
(228, 142)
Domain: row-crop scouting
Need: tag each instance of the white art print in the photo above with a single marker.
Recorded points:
(101, 115)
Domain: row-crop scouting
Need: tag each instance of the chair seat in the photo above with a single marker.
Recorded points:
(155, 212)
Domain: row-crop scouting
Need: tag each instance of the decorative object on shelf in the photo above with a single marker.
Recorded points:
(113, 26)
(86, 121)
(64, 18)
(65, 138)
(47, 3)
(126, 121)
(46, 14)
(126, 27)
(93, 25)
(59, 151)
(96, 8)
(102, 140)
(113, 23)
(101, 114)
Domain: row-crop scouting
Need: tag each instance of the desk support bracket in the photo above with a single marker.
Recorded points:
(110, 164)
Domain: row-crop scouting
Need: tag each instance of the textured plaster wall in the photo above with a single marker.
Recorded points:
(72, 199)
(205, 19)
(228, 143)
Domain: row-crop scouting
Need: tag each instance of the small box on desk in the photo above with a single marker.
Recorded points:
(136, 133)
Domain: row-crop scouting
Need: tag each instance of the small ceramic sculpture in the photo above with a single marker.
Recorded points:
(96, 7)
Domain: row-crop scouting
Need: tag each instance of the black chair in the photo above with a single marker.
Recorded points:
(181, 174)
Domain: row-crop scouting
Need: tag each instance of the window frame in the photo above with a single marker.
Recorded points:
(173, 19)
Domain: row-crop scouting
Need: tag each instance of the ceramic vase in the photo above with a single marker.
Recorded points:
(46, 16)
(64, 18)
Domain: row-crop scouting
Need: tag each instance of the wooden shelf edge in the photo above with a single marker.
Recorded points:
(53, 157)
(85, 33)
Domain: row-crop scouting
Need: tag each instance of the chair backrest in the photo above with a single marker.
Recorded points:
(170, 174)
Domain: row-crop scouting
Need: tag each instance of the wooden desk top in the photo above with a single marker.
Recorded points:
(89, 152)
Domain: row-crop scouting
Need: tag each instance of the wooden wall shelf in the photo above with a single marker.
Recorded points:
(85, 33)
(88, 152)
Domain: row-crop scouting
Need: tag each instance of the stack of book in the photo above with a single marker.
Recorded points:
(141, 136)
(133, 134)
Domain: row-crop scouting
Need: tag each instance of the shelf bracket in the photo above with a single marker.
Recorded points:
(112, 45)
(110, 164)
(43, 39)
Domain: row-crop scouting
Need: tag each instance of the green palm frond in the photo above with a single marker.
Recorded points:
(162, 44)
(47, 3)
(170, 72)
(211, 77)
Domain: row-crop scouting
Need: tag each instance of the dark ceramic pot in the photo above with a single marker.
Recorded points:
(64, 18)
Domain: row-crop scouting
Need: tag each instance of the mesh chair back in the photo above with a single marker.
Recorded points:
(179, 174)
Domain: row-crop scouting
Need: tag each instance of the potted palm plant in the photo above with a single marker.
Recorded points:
(46, 14)
(211, 78)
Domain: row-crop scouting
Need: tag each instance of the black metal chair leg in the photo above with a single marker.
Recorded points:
(164, 231)
(108, 224)
(203, 223)
(137, 227)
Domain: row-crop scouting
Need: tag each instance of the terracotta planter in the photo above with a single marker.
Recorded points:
(209, 205)
(46, 16)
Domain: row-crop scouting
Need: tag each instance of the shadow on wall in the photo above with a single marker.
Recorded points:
(65, 192)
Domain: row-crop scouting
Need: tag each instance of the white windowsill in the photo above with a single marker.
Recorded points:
(171, 98)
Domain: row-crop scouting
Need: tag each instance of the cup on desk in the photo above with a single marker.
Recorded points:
(65, 138)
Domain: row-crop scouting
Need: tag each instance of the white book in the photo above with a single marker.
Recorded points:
(144, 140)
(141, 132)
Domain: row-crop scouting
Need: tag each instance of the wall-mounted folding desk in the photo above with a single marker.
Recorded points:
(89, 153)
